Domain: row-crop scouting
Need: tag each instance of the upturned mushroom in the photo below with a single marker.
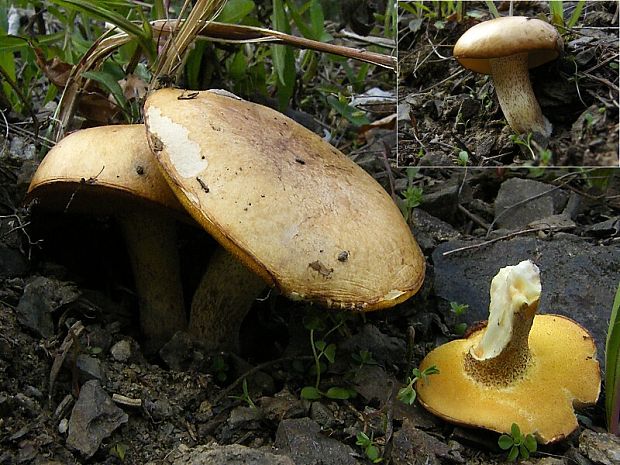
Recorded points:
(522, 368)
(109, 170)
(506, 48)
(292, 211)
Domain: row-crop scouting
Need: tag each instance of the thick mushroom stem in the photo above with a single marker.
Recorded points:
(502, 355)
(221, 302)
(516, 97)
(152, 248)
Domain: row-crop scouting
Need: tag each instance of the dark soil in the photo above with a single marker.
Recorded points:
(446, 109)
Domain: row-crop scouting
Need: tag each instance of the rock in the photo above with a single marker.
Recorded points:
(321, 413)
(26, 405)
(516, 190)
(386, 350)
(600, 448)
(578, 279)
(246, 417)
(94, 418)
(12, 263)
(89, 368)
(430, 231)
(302, 441)
(411, 446)
(227, 455)
(41, 297)
(375, 385)
(282, 405)
(121, 351)
(545, 461)
(161, 409)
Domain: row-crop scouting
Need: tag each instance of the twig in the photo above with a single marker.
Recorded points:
(507, 236)
(529, 199)
(254, 370)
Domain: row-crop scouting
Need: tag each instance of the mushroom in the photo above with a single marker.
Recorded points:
(506, 48)
(522, 368)
(110, 170)
(292, 211)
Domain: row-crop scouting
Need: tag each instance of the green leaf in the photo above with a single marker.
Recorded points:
(407, 395)
(350, 113)
(330, 353)
(612, 367)
(515, 432)
(320, 345)
(338, 393)
(525, 454)
(505, 442)
(362, 439)
(372, 452)
(513, 454)
(530, 443)
(109, 83)
(310, 393)
(235, 11)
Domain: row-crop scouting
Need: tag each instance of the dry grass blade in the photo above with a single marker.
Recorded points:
(247, 34)
(183, 34)
(91, 59)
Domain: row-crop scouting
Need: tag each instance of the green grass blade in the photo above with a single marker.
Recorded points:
(557, 12)
(576, 14)
(492, 8)
(612, 368)
(105, 14)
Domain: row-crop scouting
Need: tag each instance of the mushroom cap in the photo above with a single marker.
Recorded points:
(291, 207)
(563, 373)
(506, 36)
(105, 169)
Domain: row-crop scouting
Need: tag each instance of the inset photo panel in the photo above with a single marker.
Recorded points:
(489, 84)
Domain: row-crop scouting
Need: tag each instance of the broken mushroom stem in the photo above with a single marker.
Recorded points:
(223, 298)
(502, 355)
(516, 96)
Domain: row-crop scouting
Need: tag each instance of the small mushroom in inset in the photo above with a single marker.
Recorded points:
(110, 170)
(506, 48)
(522, 368)
(323, 231)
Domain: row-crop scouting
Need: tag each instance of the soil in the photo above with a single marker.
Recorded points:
(185, 396)
(446, 109)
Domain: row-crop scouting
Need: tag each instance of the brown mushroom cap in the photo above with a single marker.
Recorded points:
(563, 373)
(507, 36)
(291, 207)
(103, 169)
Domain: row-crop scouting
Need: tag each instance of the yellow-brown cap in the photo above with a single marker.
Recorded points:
(105, 169)
(294, 209)
(507, 36)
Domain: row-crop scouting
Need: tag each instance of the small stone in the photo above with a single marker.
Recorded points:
(94, 418)
(213, 454)
(600, 448)
(302, 441)
(121, 351)
(89, 368)
(63, 426)
(41, 297)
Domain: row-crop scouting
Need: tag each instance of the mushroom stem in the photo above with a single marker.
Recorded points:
(221, 302)
(503, 355)
(152, 248)
(516, 97)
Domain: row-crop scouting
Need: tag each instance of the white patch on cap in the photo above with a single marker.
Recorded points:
(225, 93)
(184, 154)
